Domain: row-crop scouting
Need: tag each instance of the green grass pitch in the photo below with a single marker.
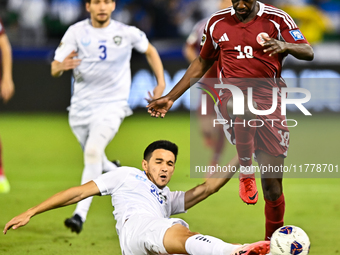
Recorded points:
(42, 157)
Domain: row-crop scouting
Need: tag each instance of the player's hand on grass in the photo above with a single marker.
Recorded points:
(159, 107)
(274, 46)
(18, 221)
(6, 90)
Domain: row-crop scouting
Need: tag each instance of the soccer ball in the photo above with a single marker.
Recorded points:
(289, 240)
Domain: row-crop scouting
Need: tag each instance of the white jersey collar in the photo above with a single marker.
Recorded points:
(90, 23)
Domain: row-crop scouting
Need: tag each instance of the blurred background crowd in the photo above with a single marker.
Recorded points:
(43, 22)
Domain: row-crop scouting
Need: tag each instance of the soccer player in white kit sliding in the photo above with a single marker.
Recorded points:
(143, 204)
(99, 52)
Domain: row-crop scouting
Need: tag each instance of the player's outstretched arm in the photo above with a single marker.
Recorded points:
(197, 69)
(57, 68)
(211, 185)
(7, 85)
(67, 197)
(156, 65)
(299, 50)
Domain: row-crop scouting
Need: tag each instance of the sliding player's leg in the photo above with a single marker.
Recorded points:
(180, 240)
(144, 234)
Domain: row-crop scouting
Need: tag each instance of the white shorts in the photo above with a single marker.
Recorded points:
(144, 234)
(108, 115)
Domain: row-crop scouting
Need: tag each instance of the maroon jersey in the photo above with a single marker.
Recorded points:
(238, 48)
(2, 29)
(237, 45)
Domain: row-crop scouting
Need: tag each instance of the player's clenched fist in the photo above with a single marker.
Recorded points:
(69, 63)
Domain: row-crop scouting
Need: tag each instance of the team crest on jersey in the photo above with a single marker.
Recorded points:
(296, 34)
(260, 38)
(117, 40)
(85, 41)
(204, 38)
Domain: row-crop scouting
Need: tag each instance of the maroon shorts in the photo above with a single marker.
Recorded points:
(272, 134)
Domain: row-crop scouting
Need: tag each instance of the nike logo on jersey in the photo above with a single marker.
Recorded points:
(224, 38)
(240, 252)
(253, 197)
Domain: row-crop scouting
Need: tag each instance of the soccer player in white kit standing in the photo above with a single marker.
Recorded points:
(143, 205)
(99, 52)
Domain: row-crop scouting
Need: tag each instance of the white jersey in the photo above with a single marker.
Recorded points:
(133, 193)
(104, 73)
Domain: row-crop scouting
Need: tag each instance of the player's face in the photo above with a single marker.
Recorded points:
(244, 8)
(160, 167)
(100, 11)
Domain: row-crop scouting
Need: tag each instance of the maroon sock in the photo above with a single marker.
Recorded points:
(244, 142)
(274, 212)
(1, 170)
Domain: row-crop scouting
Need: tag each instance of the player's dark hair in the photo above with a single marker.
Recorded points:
(160, 144)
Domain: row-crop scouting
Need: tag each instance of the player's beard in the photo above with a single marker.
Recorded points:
(246, 15)
(103, 21)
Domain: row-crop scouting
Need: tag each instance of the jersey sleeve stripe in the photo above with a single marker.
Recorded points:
(290, 26)
(287, 19)
(284, 13)
(211, 30)
(215, 14)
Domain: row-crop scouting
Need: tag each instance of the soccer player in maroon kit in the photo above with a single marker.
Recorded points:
(6, 91)
(250, 40)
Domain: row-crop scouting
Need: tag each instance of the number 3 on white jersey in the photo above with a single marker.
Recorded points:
(103, 54)
(248, 52)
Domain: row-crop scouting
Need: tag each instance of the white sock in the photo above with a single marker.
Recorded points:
(108, 165)
(90, 172)
(247, 169)
(94, 152)
(208, 245)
